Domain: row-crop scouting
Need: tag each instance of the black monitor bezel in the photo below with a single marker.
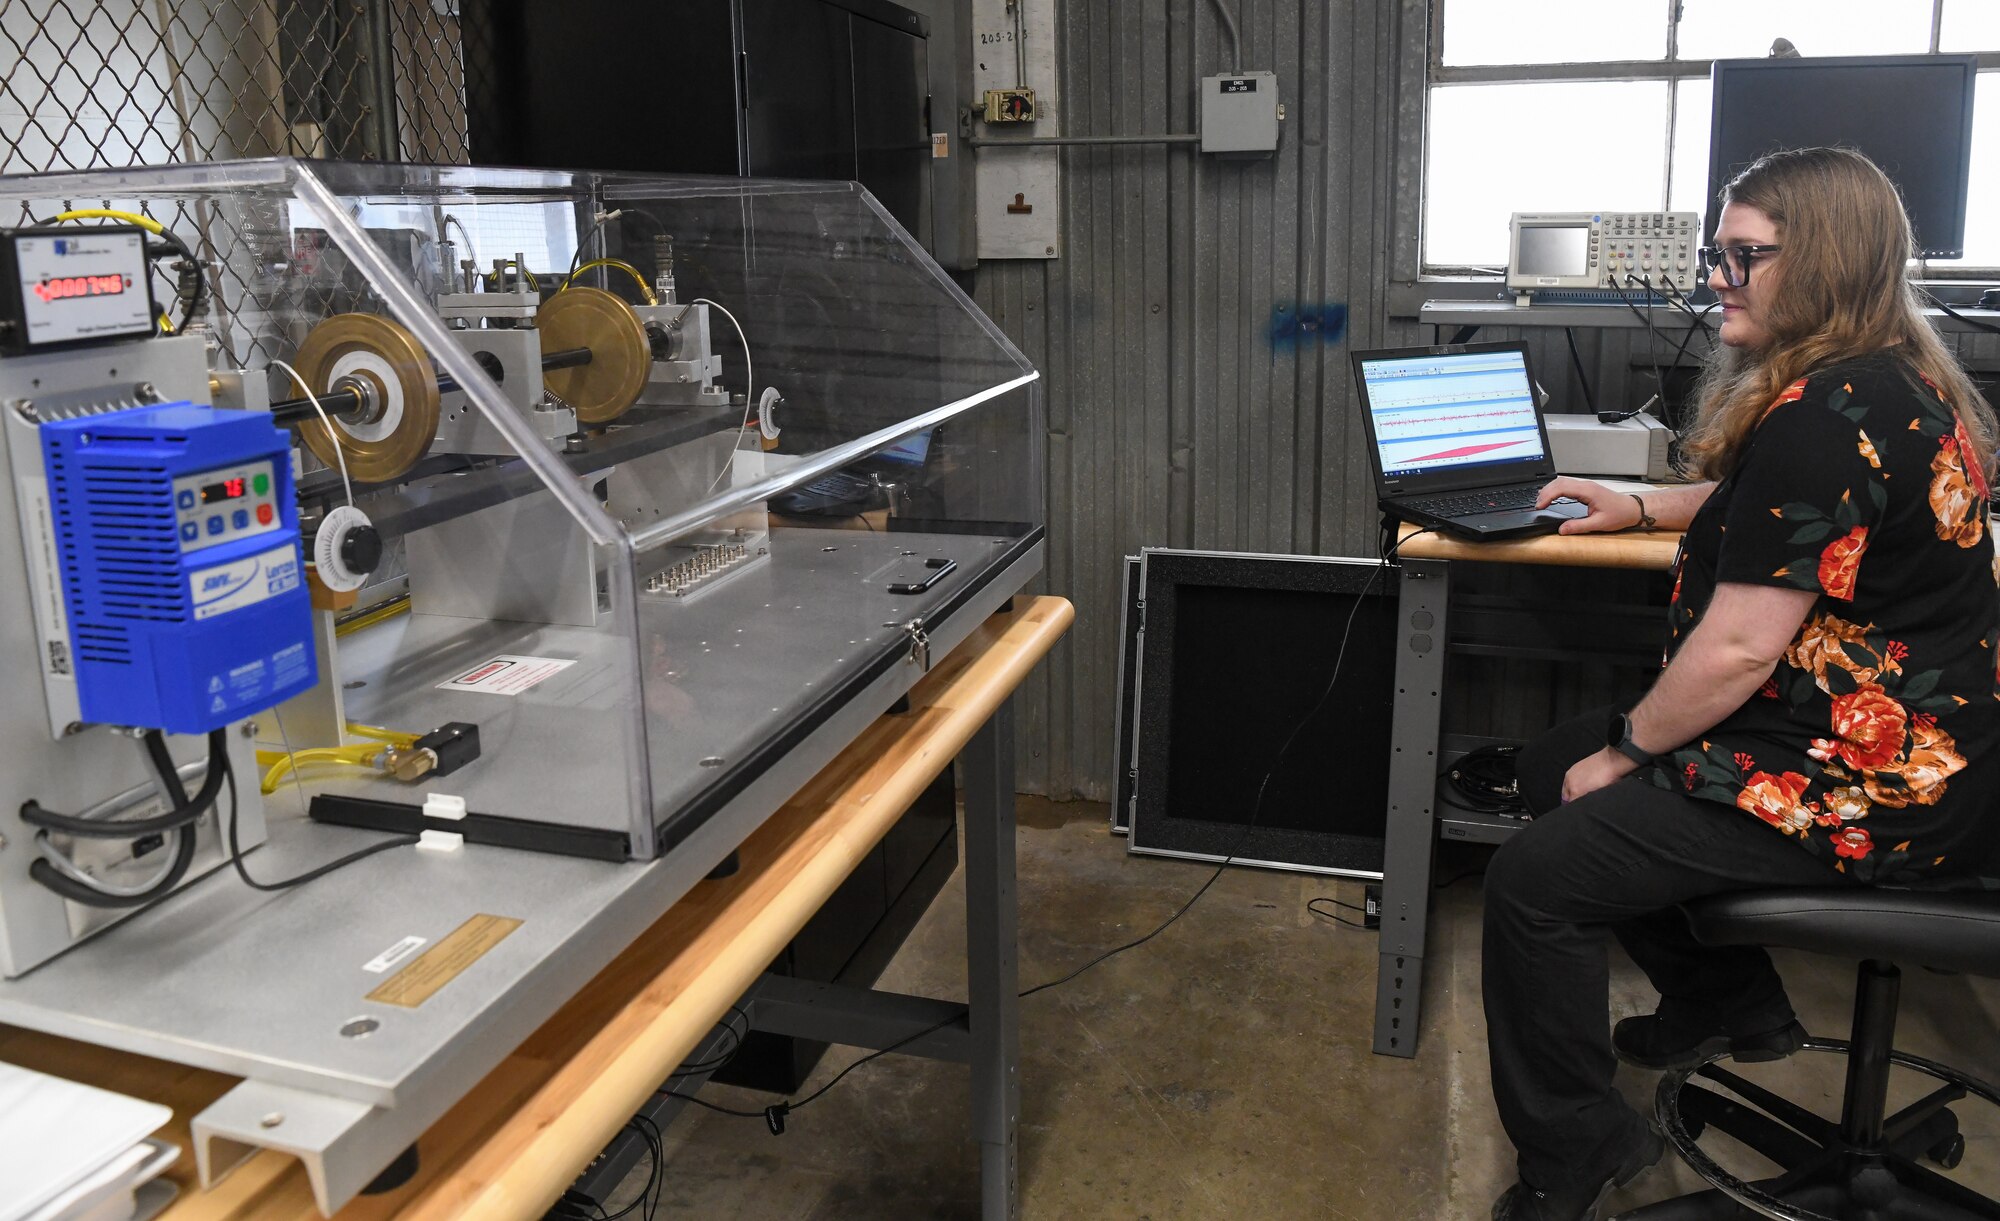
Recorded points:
(1454, 478)
(1968, 65)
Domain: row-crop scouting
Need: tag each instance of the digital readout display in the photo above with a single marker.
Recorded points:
(68, 287)
(228, 489)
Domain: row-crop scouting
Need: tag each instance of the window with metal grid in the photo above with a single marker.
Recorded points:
(1556, 105)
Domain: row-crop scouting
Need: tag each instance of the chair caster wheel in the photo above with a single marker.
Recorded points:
(1948, 1152)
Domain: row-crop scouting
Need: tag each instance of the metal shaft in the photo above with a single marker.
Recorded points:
(1868, 1056)
(343, 403)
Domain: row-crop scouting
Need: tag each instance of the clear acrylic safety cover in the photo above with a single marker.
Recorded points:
(660, 475)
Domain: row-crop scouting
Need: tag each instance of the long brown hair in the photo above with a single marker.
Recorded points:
(1840, 289)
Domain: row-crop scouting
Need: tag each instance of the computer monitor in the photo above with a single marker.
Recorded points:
(1909, 114)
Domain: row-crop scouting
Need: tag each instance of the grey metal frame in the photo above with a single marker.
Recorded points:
(1133, 842)
(983, 1033)
(1423, 632)
(1124, 721)
(1430, 628)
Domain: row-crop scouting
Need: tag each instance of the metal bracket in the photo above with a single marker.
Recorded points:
(343, 1143)
(920, 644)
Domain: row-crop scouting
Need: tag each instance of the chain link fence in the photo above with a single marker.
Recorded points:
(115, 83)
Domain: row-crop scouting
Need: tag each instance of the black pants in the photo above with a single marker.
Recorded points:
(1617, 859)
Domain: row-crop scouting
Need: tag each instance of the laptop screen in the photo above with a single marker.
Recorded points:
(911, 451)
(1451, 412)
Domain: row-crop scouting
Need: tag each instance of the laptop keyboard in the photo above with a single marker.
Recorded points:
(1465, 505)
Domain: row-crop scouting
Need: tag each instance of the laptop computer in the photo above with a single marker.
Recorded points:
(858, 488)
(1457, 439)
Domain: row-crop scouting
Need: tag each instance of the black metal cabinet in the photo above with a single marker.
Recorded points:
(765, 88)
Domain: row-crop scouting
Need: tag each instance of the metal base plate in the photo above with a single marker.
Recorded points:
(269, 986)
(723, 671)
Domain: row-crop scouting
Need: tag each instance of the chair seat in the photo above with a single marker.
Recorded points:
(1957, 930)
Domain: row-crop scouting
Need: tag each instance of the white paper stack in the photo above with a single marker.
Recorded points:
(72, 1152)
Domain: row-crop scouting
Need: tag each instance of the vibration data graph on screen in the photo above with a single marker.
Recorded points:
(1433, 413)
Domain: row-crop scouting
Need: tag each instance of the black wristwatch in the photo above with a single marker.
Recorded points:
(1618, 736)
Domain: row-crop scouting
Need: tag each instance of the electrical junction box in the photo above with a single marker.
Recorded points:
(1632, 449)
(1240, 113)
(1010, 105)
(177, 540)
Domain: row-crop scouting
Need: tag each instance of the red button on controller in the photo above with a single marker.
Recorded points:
(263, 515)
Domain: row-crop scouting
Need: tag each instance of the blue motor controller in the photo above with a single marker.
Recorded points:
(177, 538)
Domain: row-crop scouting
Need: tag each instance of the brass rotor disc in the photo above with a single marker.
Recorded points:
(620, 357)
(398, 357)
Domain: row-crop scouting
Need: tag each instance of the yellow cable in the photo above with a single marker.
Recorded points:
(365, 755)
(166, 324)
(645, 289)
(319, 771)
(144, 222)
(532, 282)
(360, 754)
(370, 619)
(394, 737)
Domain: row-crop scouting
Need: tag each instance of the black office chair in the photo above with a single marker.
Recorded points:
(1865, 1166)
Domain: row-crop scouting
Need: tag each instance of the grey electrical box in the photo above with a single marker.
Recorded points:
(1240, 113)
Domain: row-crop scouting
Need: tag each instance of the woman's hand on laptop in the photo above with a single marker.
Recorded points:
(1609, 510)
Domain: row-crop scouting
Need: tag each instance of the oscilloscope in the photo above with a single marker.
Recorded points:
(1602, 250)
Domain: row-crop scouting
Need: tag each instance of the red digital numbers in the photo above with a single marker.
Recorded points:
(232, 488)
(64, 287)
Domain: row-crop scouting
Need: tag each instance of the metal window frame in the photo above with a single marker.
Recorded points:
(1412, 147)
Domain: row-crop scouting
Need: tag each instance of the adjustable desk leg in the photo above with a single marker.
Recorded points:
(987, 771)
(1411, 838)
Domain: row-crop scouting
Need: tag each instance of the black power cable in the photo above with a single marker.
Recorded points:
(1652, 334)
(1576, 360)
(1336, 917)
(178, 822)
(1974, 323)
(183, 813)
(236, 848)
(1485, 781)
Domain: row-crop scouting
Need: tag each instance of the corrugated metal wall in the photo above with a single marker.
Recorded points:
(1194, 336)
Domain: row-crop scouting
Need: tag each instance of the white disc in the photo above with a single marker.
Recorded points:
(392, 394)
(338, 524)
(767, 412)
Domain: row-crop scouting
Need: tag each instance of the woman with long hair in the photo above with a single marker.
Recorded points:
(1828, 713)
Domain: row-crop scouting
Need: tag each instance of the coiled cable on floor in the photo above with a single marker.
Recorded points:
(1485, 781)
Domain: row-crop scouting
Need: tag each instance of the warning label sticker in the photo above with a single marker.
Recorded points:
(507, 674)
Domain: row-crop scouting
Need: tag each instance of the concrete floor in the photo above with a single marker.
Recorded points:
(1224, 1069)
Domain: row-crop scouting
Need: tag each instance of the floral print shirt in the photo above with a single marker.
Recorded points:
(1857, 485)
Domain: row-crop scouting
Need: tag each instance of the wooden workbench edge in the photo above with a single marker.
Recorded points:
(1654, 549)
(732, 928)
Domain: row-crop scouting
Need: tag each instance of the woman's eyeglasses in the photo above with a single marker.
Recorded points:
(1734, 260)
